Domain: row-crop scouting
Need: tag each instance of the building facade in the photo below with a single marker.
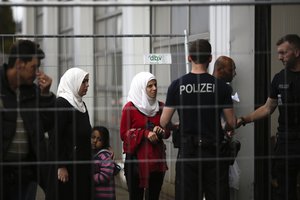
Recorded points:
(109, 41)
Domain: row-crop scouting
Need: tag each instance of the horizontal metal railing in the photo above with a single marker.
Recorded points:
(152, 3)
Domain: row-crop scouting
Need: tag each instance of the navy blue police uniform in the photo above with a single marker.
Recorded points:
(199, 100)
(285, 88)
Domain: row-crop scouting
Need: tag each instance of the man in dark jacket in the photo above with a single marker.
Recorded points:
(284, 94)
(25, 116)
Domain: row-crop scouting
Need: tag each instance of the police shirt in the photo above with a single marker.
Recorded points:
(285, 87)
(199, 100)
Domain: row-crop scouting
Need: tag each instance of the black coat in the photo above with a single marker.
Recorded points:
(70, 146)
(36, 112)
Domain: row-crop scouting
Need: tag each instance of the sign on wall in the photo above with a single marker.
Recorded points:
(158, 59)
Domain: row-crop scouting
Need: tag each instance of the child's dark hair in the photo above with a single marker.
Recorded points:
(104, 135)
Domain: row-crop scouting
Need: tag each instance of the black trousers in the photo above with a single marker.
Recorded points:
(200, 173)
(132, 178)
(286, 169)
(18, 183)
(78, 187)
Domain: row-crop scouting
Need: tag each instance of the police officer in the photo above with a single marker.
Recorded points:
(199, 99)
(285, 93)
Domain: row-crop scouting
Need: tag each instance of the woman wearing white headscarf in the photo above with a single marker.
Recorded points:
(71, 140)
(145, 163)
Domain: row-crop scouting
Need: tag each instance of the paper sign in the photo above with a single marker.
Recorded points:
(235, 97)
(158, 59)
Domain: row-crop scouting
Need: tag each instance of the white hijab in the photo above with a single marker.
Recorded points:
(138, 95)
(69, 86)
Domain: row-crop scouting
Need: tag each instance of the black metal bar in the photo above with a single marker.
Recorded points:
(89, 36)
(152, 3)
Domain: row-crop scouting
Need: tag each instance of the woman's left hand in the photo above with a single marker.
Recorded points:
(62, 174)
(152, 137)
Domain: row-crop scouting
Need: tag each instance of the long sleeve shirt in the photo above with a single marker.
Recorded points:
(104, 176)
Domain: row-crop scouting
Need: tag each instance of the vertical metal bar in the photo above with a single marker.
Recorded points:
(186, 52)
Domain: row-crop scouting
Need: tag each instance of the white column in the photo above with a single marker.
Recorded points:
(28, 21)
(136, 20)
(219, 32)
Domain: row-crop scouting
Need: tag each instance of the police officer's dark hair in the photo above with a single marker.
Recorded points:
(104, 135)
(293, 39)
(24, 50)
(200, 51)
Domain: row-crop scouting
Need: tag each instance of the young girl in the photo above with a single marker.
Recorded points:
(104, 165)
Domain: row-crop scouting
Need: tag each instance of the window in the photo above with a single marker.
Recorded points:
(108, 70)
(66, 46)
(174, 20)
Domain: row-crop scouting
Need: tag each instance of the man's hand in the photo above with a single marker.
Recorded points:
(160, 132)
(44, 82)
(240, 121)
(230, 133)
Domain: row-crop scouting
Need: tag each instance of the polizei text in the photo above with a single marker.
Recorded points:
(197, 88)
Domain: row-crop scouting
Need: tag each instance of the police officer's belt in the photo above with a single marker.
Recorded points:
(198, 141)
